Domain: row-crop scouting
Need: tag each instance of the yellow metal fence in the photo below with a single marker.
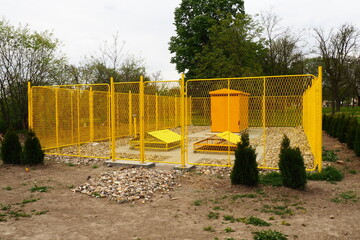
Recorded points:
(197, 122)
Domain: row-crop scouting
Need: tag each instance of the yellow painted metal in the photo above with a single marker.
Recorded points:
(91, 113)
(230, 137)
(135, 127)
(113, 140)
(142, 130)
(29, 105)
(264, 119)
(236, 110)
(78, 122)
(319, 120)
(182, 119)
(73, 119)
(156, 112)
(56, 118)
(130, 114)
(166, 135)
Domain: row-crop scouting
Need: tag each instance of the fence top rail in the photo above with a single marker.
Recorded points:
(75, 85)
(245, 78)
(163, 81)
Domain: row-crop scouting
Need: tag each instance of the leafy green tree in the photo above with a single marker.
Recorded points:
(25, 56)
(233, 49)
(335, 47)
(284, 54)
(193, 19)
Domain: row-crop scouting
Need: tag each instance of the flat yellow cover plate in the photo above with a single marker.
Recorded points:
(230, 137)
(166, 136)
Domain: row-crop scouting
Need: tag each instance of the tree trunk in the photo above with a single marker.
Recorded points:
(332, 106)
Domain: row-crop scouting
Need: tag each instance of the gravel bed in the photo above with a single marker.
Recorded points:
(74, 160)
(131, 184)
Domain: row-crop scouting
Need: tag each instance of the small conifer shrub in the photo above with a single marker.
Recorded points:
(341, 128)
(11, 148)
(329, 124)
(351, 132)
(245, 170)
(292, 166)
(32, 154)
(357, 142)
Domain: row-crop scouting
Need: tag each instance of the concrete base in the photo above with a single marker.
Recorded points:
(187, 167)
(124, 163)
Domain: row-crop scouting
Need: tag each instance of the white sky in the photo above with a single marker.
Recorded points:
(146, 26)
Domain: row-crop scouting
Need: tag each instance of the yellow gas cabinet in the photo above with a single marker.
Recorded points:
(229, 110)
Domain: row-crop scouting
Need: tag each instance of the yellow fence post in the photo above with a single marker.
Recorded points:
(29, 106)
(91, 114)
(182, 119)
(130, 113)
(176, 112)
(190, 111)
(156, 112)
(112, 109)
(78, 121)
(228, 119)
(142, 130)
(319, 120)
(56, 119)
(264, 119)
(72, 117)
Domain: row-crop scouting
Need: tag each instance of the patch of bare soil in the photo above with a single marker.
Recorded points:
(194, 209)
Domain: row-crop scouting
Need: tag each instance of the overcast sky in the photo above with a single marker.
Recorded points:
(146, 26)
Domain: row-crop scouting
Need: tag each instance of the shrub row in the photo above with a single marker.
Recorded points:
(345, 128)
(13, 153)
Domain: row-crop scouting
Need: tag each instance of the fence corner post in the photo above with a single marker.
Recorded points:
(29, 106)
(112, 109)
(142, 133)
(182, 119)
(319, 84)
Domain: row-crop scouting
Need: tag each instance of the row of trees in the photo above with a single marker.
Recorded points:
(217, 39)
(26, 55)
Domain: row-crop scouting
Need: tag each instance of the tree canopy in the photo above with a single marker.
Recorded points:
(193, 20)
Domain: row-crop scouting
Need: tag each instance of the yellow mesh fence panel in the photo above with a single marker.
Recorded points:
(265, 107)
(127, 120)
(157, 123)
(162, 121)
(68, 119)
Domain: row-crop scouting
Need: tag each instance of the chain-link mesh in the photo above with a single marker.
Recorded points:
(265, 107)
(165, 121)
(68, 119)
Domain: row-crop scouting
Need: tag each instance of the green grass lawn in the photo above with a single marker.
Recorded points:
(355, 111)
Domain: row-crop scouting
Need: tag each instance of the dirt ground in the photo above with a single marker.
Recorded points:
(194, 210)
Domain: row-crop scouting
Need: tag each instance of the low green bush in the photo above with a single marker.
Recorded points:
(341, 129)
(334, 125)
(269, 235)
(271, 179)
(32, 154)
(11, 148)
(329, 173)
(351, 132)
(357, 142)
(245, 170)
(291, 165)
